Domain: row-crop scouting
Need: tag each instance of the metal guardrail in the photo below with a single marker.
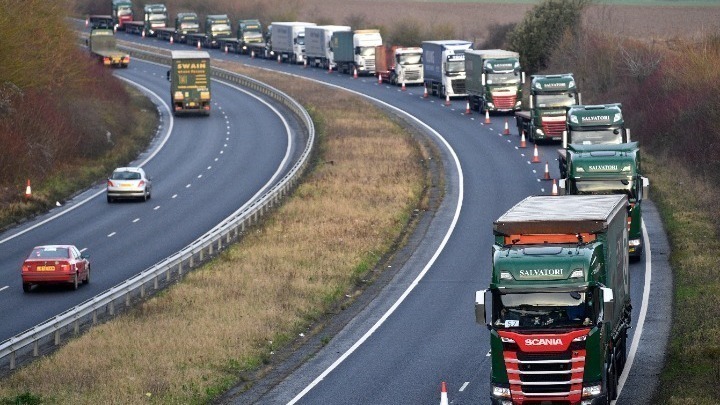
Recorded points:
(229, 229)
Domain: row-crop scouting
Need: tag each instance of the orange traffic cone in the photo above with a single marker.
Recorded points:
(379, 79)
(28, 191)
(402, 87)
(443, 394)
(447, 100)
(522, 140)
(425, 93)
(507, 129)
(536, 158)
(547, 172)
(487, 116)
(172, 39)
(467, 108)
(354, 73)
(554, 188)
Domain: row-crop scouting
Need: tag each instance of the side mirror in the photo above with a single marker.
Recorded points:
(561, 187)
(627, 134)
(564, 140)
(480, 317)
(168, 75)
(608, 304)
(645, 187)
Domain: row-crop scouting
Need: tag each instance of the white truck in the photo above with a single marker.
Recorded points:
(355, 50)
(444, 67)
(317, 44)
(288, 40)
(399, 65)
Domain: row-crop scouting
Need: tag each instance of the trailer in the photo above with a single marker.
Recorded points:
(317, 45)
(288, 40)
(189, 77)
(103, 45)
(550, 98)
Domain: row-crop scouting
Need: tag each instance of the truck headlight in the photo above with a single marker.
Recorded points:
(539, 131)
(592, 390)
(635, 242)
(490, 105)
(500, 392)
(518, 104)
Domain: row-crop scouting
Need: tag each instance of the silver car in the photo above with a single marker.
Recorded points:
(128, 182)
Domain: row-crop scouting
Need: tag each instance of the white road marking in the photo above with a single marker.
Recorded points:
(111, 234)
(542, 190)
(488, 353)
(156, 208)
(188, 186)
(136, 220)
(216, 159)
(174, 196)
(464, 386)
(224, 145)
(221, 152)
(199, 176)
(209, 167)
(4, 288)
(534, 171)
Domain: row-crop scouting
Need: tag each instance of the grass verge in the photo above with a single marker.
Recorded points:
(79, 175)
(190, 343)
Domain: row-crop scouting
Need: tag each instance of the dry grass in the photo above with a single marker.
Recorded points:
(190, 343)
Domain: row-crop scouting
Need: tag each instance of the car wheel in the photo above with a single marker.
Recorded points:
(27, 287)
(87, 276)
(75, 282)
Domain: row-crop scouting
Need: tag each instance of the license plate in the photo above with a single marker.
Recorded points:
(191, 104)
(45, 268)
(126, 185)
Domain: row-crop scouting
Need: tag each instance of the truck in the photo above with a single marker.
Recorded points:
(155, 16)
(121, 13)
(494, 80)
(185, 23)
(558, 300)
(550, 98)
(103, 46)
(610, 169)
(288, 40)
(355, 50)
(592, 125)
(217, 26)
(444, 67)
(189, 77)
(248, 32)
(96, 21)
(399, 65)
(317, 45)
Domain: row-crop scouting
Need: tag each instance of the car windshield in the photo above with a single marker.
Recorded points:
(543, 310)
(554, 100)
(605, 187)
(455, 66)
(410, 58)
(503, 78)
(126, 175)
(50, 253)
(603, 136)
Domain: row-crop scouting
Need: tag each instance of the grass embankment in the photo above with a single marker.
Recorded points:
(191, 342)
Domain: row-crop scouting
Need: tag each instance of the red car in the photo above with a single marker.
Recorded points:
(55, 264)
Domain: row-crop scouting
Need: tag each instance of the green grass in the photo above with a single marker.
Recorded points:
(704, 3)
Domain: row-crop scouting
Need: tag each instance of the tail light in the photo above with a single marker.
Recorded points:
(142, 183)
(126, 59)
(65, 267)
(106, 61)
(25, 268)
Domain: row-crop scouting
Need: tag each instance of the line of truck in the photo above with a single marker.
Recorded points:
(558, 305)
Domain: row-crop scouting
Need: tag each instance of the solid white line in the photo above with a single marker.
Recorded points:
(643, 312)
(111, 234)
(427, 266)
(4, 288)
(464, 386)
(152, 155)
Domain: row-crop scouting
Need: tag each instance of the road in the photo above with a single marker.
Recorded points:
(203, 169)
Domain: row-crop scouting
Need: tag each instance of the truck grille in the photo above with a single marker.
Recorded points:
(458, 86)
(553, 126)
(370, 65)
(412, 75)
(504, 102)
(541, 377)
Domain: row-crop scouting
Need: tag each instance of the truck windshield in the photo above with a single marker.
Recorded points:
(220, 27)
(503, 78)
(455, 66)
(543, 310)
(248, 35)
(623, 186)
(157, 17)
(367, 51)
(189, 25)
(124, 10)
(602, 136)
(410, 59)
(554, 100)
(300, 39)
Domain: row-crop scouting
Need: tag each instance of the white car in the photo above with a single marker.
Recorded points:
(128, 182)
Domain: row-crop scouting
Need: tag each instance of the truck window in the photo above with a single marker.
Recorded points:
(593, 137)
(554, 100)
(543, 310)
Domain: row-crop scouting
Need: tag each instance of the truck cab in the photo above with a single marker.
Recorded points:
(444, 67)
(121, 13)
(610, 169)
(249, 32)
(601, 124)
(550, 98)
(399, 65)
(216, 27)
(559, 301)
(494, 80)
(186, 23)
(156, 16)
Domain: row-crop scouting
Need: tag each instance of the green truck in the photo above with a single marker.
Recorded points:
(103, 46)
(185, 23)
(217, 26)
(550, 98)
(189, 77)
(601, 124)
(155, 17)
(610, 169)
(493, 80)
(559, 300)
(249, 36)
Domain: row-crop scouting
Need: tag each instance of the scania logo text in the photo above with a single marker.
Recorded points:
(543, 342)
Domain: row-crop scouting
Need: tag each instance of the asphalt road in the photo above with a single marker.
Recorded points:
(203, 169)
